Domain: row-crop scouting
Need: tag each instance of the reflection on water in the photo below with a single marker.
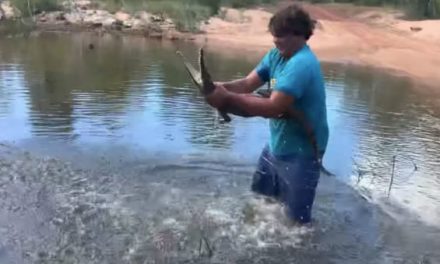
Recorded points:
(377, 117)
(118, 90)
(135, 93)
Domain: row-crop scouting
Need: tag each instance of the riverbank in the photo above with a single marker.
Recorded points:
(84, 15)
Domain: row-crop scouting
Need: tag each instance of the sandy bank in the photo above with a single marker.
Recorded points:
(368, 36)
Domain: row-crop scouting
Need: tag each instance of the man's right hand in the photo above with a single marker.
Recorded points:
(220, 84)
(218, 97)
(245, 85)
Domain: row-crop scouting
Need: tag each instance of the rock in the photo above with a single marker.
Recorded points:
(117, 25)
(108, 22)
(144, 16)
(83, 4)
(59, 15)
(42, 17)
(122, 16)
(74, 18)
(98, 18)
(138, 24)
(9, 12)
(169, 21)
(92, 22)
(52, 17)
(157, 35)
(89, 12)
(174, 35)
(156, 18)
(167, 27)
(100, 12)
(416, 29)
(79, 5)
(125, 19)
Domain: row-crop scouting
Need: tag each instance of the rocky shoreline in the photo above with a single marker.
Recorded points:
(84, 15)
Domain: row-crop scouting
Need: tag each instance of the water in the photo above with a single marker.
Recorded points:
(109, 155)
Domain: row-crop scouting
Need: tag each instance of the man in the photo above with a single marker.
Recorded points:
(288, 168)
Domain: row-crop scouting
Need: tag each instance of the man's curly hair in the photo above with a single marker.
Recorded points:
(292, 20)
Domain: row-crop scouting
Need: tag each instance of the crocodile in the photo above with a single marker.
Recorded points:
(202, 79)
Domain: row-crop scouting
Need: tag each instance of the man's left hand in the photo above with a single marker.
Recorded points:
(218, 97)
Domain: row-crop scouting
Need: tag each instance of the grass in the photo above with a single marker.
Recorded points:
(186, 14)
(31, 7)
(418, 9)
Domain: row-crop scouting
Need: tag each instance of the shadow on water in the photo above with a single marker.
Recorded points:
(145, 174)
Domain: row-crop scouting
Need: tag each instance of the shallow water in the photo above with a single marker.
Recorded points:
(159, 211)
(144, 171)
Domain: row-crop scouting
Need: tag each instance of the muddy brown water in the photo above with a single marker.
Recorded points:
(109, 155)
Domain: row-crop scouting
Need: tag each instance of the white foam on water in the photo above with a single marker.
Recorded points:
(251, 222)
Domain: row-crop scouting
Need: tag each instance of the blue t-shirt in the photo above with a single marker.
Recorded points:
(299, 76)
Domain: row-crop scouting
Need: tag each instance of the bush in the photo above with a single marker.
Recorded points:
(186, 15)
(32, 7)
(247, 3)
(414, 8)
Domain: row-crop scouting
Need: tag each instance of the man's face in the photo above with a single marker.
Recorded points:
(286, 44)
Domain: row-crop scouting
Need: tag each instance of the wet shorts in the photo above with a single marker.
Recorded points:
(291, 180)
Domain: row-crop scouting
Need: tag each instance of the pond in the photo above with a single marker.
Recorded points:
(110, 155)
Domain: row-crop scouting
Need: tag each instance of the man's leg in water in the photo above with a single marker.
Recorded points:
(265, 179)
(292, 181)
(298, 178)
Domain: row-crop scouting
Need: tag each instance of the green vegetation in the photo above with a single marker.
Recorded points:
(186, 14)
(31, 7)
(413, 8)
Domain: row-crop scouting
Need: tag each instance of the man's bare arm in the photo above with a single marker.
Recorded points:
(245, 85)
(273, 107)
